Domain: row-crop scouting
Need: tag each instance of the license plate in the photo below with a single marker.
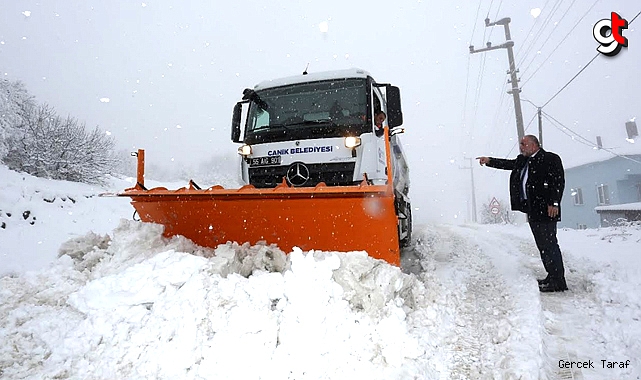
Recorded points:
(265, 161)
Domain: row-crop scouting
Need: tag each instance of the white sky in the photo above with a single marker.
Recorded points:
(122, 302)
(172, 73)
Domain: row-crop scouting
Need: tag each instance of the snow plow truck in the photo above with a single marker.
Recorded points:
(318, 172)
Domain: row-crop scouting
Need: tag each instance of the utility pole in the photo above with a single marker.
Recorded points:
(539, 114)
(471, 168)
(515, 91)
(540, 127)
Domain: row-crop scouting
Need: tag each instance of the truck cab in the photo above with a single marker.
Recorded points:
(319, 128)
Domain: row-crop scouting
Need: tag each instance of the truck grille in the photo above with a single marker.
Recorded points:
(335, 174)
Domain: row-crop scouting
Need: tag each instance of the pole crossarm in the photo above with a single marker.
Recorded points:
(501, 46)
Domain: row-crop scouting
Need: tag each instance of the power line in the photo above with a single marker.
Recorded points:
(479, 79)
(564, 129)
(547, 21)
(529, 33)
(496, 15)
(541, 30)
(550, 35)
(586, 141)
(557, 46)
(467, 78)
(489, 9)
(514, 146)
(556, 24)
(467, 87)
(568, 132)
(479, 85)
(478, 9)
(580, 71)
(567, 84)
(501, 125)
(501, 99)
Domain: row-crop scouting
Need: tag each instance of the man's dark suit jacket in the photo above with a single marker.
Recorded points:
(545, 184)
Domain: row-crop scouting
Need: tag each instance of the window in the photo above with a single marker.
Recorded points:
(377, 101)
(260, 119)
(603, 194)
(305, 105)
(577, 195)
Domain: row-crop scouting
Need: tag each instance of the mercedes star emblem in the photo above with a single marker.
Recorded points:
(297, 174)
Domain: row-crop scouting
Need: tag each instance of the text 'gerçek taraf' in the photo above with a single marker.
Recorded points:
(590, 364)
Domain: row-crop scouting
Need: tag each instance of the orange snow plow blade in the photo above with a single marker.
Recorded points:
(327, 218)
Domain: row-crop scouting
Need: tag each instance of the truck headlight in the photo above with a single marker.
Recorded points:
(245, 150)
(352, 142)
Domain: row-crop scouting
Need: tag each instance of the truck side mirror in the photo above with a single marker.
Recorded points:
(235, 122)
(396, 131)
(394, 113)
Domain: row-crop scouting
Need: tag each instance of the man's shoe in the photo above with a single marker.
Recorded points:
(543, 280)
(553, 286)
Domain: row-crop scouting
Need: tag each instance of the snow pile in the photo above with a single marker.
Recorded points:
(139, 306)
(87, 294)
(38, 215)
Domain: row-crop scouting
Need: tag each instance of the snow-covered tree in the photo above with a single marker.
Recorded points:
(50, 146)
(502, 214)
(14, 101)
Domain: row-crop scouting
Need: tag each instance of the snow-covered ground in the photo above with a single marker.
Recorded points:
(85, 292)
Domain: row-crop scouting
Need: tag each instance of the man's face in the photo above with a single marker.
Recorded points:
(379, 119)
(528, 147)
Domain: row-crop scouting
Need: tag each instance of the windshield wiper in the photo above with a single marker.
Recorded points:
(276, 126)
(312, 122)
(289, 126)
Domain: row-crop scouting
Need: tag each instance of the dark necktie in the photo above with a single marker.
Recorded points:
(523, 173)
(525, 169)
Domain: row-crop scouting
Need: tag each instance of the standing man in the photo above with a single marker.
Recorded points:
(536, 188)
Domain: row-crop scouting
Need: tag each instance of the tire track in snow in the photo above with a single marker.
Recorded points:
(483, 281)
(574, 322)
(577, 324)
(559, 324)
(480, 344)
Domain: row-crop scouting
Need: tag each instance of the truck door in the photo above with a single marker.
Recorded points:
(378, 104)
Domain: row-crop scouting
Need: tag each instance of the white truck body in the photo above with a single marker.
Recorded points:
(297, 129)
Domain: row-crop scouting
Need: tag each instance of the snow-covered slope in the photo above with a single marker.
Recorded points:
(121, 301)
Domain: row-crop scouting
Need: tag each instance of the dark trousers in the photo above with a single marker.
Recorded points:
(545, 238)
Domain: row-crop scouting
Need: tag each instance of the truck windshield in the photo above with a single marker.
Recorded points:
(334, 106)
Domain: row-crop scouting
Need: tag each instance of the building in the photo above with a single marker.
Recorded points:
(611, 215)
(591, 189)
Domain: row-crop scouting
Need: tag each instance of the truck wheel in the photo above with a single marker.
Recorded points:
(408, 225)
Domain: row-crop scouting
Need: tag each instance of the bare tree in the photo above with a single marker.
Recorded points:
(52, 147)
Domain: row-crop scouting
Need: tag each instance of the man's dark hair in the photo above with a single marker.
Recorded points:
(534, 139)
